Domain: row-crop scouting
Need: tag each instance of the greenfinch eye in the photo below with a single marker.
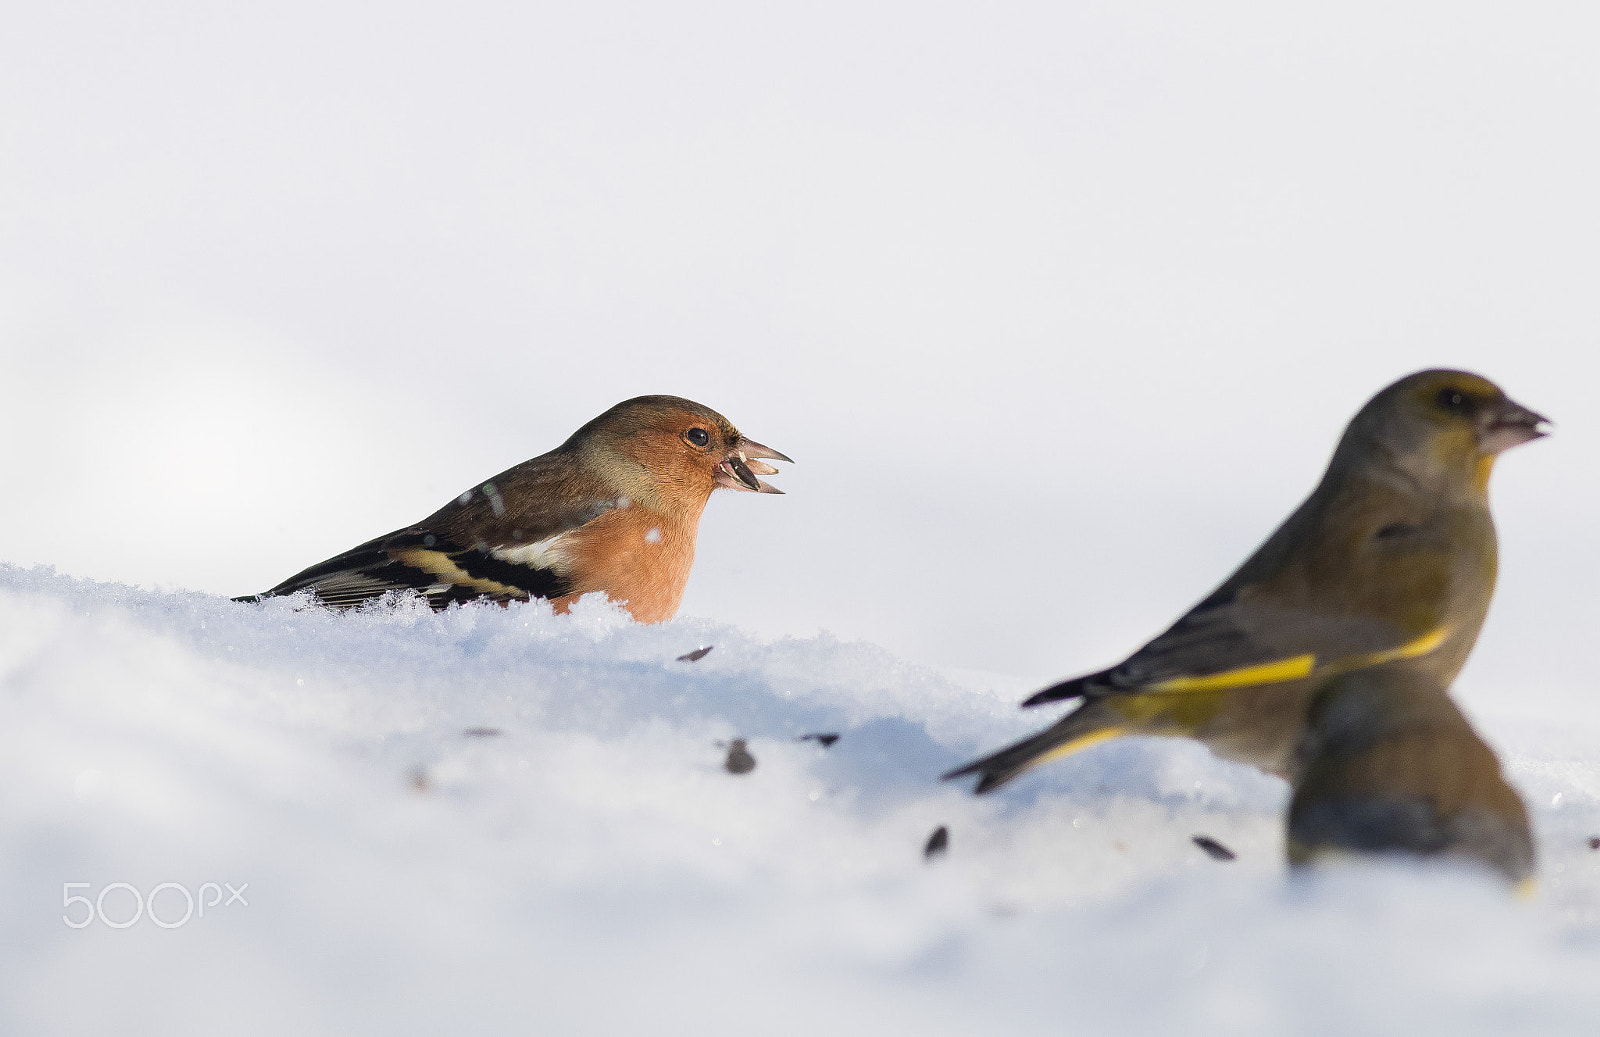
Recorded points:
(698, 436)
(1455, 401)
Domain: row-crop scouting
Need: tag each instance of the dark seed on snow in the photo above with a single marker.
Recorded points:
(938, 843)
(1215, 850)
(696, 655)
(739, 760)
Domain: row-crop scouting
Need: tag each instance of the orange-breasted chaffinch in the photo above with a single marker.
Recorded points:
(615, 508)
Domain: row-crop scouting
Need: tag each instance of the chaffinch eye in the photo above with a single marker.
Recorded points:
(698, 436)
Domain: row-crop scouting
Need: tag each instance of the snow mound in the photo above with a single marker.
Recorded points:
(503, 820)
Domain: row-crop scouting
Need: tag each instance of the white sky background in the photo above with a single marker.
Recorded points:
(1060, 311)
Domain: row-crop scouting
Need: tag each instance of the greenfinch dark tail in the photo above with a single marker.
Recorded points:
(1090, 723)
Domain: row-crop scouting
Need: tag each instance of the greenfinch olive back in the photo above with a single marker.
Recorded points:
(1392, 766)
(1390, 559)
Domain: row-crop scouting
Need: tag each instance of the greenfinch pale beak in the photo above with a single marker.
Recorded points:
(1509, 424)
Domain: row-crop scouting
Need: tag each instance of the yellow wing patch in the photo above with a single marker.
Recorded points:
(1296, 667)
(1072, 745)
(1263, 673)
(439, 564)
(1182, 704)
(1413, 649)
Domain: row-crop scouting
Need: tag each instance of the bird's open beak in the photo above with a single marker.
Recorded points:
(738, 471)
(1509, 424)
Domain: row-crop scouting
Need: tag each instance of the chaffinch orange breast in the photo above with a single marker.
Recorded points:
(616, 508)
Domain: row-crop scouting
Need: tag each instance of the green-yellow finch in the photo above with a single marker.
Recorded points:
(1391, 766)
(1392, 557)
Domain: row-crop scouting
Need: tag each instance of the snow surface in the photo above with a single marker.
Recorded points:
(505, 821)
